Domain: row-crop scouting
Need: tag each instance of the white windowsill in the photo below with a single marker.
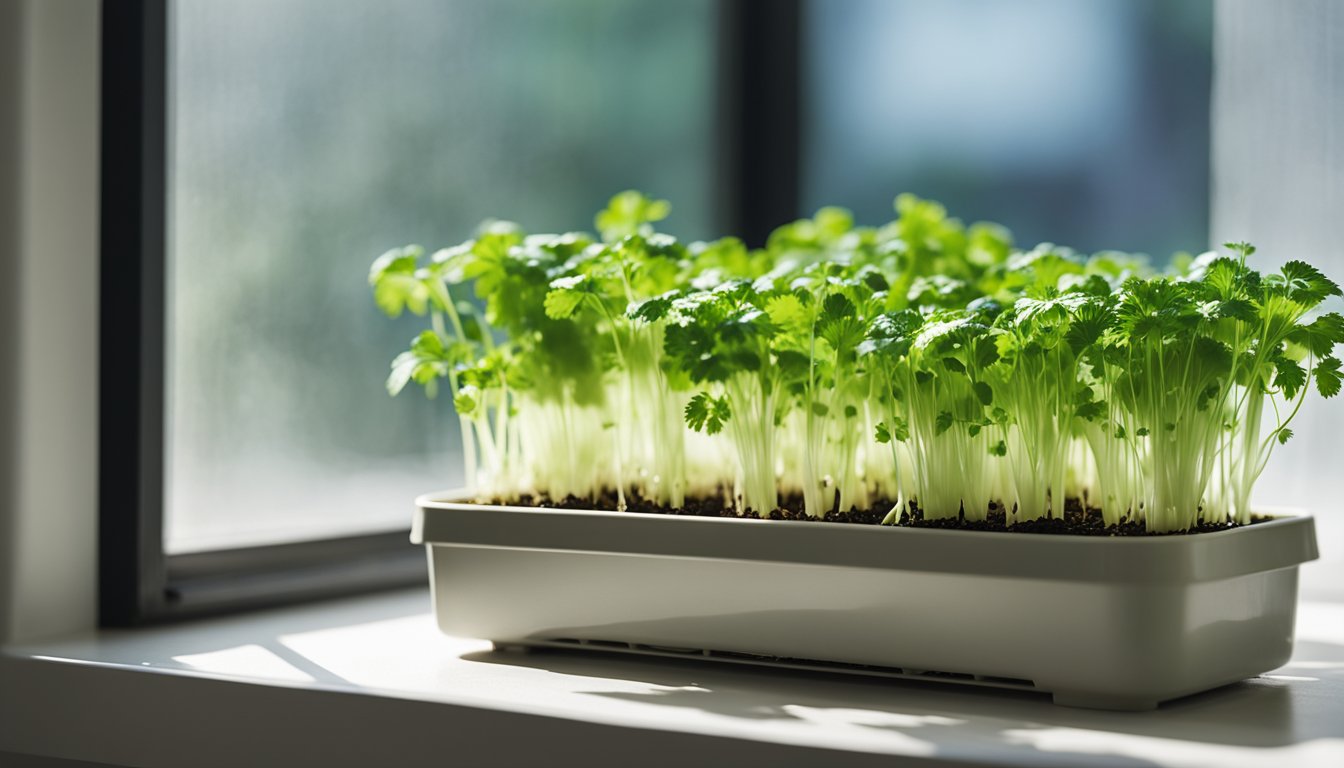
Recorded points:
(344, 682)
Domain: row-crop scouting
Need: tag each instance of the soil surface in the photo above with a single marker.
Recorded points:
(1077, 521)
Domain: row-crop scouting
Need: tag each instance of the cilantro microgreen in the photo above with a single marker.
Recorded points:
(921, 361)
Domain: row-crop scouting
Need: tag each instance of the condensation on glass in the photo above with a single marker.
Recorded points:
(309, 136)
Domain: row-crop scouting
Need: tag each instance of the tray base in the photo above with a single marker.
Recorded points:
(1062, 698)
(601, 647)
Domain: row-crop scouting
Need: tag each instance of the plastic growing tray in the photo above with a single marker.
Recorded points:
(1111, 623)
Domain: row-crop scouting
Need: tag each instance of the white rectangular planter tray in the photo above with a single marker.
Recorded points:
(1105, 622)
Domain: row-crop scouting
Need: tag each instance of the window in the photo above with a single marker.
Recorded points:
(258, 155)
(304, 143)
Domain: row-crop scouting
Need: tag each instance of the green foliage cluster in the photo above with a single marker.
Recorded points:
(921, 361)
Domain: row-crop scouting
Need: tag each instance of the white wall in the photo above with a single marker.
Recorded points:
(1278, 181)
(48, 315)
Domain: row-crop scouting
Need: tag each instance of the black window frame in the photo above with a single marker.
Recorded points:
(758, 117)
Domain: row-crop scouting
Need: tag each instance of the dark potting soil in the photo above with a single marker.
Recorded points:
(1077, 520)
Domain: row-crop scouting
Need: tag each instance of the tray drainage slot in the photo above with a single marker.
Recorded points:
(668, 649)
(1013, 682)
(607, 644)
(945, 675)
(734, 655)
(840, 666)
(819, 665)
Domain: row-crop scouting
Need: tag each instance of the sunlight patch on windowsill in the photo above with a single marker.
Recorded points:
(252, 661)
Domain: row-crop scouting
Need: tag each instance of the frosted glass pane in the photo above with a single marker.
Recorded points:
(307, 137)
(1082, 123)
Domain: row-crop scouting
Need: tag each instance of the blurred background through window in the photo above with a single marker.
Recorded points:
(1085, 124)
(308, 136)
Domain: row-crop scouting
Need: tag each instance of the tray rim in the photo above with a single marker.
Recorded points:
(445, 519)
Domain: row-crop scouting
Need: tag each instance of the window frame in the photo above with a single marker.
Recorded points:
(756, 109)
